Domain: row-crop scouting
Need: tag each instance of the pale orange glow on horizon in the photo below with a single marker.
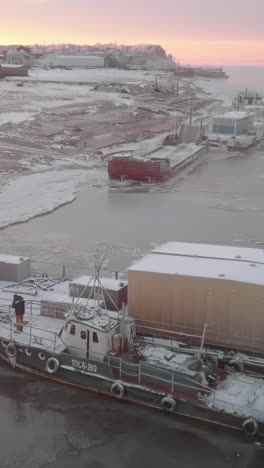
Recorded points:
(186, 51)
(206, 52)
(194, 32)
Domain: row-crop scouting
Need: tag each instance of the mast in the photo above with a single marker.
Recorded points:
(202, 341)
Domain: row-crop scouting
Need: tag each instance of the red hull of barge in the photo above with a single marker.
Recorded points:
(140, 171)
(150, 170)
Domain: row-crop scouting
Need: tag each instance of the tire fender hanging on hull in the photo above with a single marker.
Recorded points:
(168, 404)
(117, 390)
(52, 365)
(11, 350)
(250, 426)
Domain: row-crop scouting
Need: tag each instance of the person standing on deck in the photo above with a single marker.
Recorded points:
(19, 305)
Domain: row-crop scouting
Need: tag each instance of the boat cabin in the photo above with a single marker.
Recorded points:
(92, 334)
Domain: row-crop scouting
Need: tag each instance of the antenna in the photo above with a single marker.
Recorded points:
(203, 339)
(97, 292)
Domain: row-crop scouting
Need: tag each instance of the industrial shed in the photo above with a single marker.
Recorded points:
(74, 61)
(13, 70)
(231, 123)
(13, 268)
(179, 287)
(114, 292)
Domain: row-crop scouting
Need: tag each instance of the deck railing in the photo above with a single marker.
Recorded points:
(192, 336)
(34, 334)
(189, 336)
(141, 373)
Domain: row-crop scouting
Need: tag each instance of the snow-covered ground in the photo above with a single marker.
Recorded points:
(36, 194)
(15, 117)
(54, 122)
(90, 75)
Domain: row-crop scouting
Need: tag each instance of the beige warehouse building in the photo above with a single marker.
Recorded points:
(179, 287)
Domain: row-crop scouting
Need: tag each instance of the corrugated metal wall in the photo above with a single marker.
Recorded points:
(230, 126)
(179, 303)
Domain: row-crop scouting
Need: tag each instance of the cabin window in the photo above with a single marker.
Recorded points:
(83, 335)
(72, 330)
(95, 337)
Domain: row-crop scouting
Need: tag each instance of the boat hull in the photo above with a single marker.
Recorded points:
(139, 171)
(149, 170)
(73, 372)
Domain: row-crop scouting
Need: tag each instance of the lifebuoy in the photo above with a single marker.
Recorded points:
(117, 390)
(168, 404)
(250, 426)
(236, 365)
(52, 365)
(41, 356)
(28, 352)
(11, 350)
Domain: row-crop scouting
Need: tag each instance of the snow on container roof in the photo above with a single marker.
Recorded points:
(78, 56)
(221, 252)
(108, 283)
(237, 115)
(12, 259)
(205, 261)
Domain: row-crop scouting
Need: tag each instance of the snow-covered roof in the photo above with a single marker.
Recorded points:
(108, 283)
(12, 259)
(237, 115)
(79, 57)
(205, 261)
(249, 93)
(224, 252)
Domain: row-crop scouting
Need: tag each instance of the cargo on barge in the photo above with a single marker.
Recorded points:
(157, 166)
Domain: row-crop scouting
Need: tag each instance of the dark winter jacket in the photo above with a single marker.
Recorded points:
(19, 305)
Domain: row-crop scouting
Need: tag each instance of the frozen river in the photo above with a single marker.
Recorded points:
(220, 201)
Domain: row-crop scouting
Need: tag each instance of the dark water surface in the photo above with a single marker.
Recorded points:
(44, 425)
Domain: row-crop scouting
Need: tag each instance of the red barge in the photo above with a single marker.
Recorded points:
(157, 166)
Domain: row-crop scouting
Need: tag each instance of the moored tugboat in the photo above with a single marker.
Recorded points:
(96, 349)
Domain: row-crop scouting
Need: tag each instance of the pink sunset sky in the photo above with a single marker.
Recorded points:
(194, 31)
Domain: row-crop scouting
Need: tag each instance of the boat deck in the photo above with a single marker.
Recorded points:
(38, 331)
(240, 394)
(175, 154)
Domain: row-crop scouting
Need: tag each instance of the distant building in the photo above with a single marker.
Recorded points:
(231, 123)
(73, 61)
(13, 70)
(248, 98)
(20, 56)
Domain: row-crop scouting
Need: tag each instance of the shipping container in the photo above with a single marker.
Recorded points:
(181, 287)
